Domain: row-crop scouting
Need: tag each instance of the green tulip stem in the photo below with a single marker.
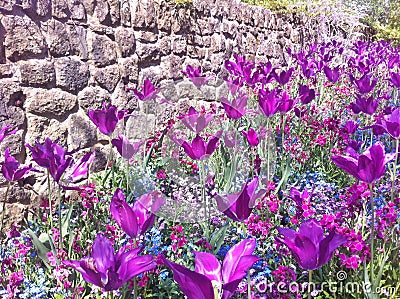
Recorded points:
(135, 287)
(309, 283)
(59, 221)
(394, 169)
(372, 232)
(4, 207)
(50, 204)
(248, 285)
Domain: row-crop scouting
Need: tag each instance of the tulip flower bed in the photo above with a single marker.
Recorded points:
(279, 182)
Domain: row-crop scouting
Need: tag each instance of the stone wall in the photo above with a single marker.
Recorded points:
(59, 58)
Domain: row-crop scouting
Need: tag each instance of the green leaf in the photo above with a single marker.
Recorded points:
(40, 247)
(218, 238)
(66, 222)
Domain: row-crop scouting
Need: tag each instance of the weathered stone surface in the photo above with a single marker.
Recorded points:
(172, 66)
(7, 4)
(152, 73)
(114, 10)
(125, 13)
(147, 52)
(77, 39)
(11, 104)
(59, 8)
(23, 38)
(101, 10)
(71, 74)
(57, 38)
(102, 50)
(92, 98)
(164, 19)
(129, 68)
(15, 143)
(89, 6)
(108, 77)
(146, 36)
(124, 99)
(76, 9)
(37, 73)
(164, 45)
(101, 154)
(40, 127)
(17, 195)
(179, 44)
(145, 15)
(136, 126)
(126, 41)
(6, 70)
(50, 103)
(82, 133)
(43, 7)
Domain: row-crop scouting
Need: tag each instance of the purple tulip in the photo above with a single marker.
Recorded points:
(109, 270)
(106, 119)
(6, 131)
(332, 74)
(283, 77)
(391, 124)
(268, 102)
(306, 94)
(238, 206)
(199, 149)
(242, 69)
(364, 104)
(195, 76)
(196, 121)
(365, 84)
(367, 167)
(149, 92)
(286, 103)
(395, 79)
(237, 108)
(80, 169)
(135, 220)
(125, 148)
(52, 156)
(351, 127)
(309, 246)
(208, 274)
(252, 137)
(11, 169)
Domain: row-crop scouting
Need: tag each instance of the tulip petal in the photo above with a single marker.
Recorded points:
(103, 254)
(192, 284)
(85, 267)
(208, 265)
(123, 214)
(328, 246)
(131, 267)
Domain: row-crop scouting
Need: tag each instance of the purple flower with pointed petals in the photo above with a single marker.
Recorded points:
(242, 69)
(251, 136)
(332, 74)
(268, 102)
(135, 220)
(238, 206)
(196, 121)
(6, 131)
(309, 246)
(364, 104)
(283, 77)
(286, 103)
(306, 94)
(106, 119)
(395, 79)
(351, 127)
(391, 124)
(367, 167)
(199, 149)
(125, 148)
(149, 92)
(52, 156)
(365, 84)
(11, 169)
(80, 169)
(109, 270)
(237, 108)
(209, 275)
(194, 74)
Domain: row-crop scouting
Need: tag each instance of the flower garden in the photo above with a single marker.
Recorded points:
(278, 182)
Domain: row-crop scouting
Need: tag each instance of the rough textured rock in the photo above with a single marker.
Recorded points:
(124, 99)
(57, 38)
(39, 128)
(82, 133)
(108, 77)
(16, 145)
(125, 13)
(145, 15)
(101, 10)
(50, 103)
(77, 39)
(147, 52)
(125, 39)
(59, 8)
(71, 74)
(102, 49)
(43, 7)
(93, 98)
(129, 69)
(23, 38)
(11, 112)
(37, 73)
